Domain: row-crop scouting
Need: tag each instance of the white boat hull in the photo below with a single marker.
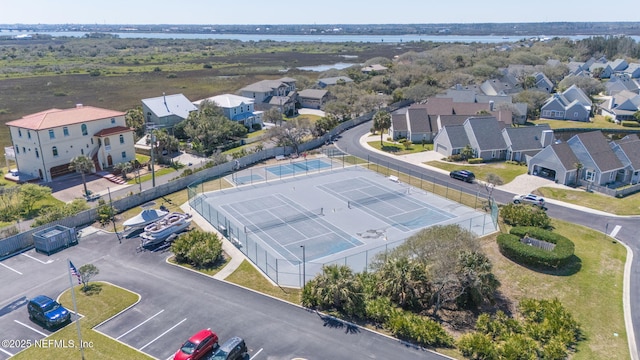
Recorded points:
(160, 230)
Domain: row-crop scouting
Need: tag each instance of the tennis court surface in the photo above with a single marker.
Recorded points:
(328, 215)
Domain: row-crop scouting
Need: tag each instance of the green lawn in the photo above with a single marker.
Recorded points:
(399, 149)
(106, 301)
(593, 294)
(247, 276)
(597, 122)
(620, 206)
(507, 172)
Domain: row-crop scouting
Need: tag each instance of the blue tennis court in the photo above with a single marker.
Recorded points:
(247, 179)
(299, 166)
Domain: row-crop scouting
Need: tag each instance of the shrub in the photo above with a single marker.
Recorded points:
(524, 215)
(198, 248)
(207, 66)
(630, 123)
(455, 157)
(256, 127)
(421, 330)
(172, 76)
(477, 346)
(476, 161)
(511, 247)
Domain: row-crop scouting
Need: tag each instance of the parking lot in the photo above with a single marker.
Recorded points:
(176, 303)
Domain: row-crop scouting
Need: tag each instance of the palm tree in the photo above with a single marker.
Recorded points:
(403, 281)
(337, 287)
(381, 122)
(124, 168)
(82, 164)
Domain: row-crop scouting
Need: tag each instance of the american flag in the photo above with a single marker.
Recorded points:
(74, 272)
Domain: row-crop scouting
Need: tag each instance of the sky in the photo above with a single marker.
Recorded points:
(308, 12)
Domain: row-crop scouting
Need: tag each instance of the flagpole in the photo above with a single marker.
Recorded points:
(75, 308)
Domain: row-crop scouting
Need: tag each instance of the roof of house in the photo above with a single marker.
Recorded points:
(399, 122)
(53, 118)
(374, 67)
(335, 80)
(457, 136)
(113, 130)
(227, 100)
(418, 119)
(268, 85)
(176, 104)
(565, 155)
(469, 108)
(598, 148)
(631, 149)
(312, 93)
(439, 106)
(487, 131)
(460, 95)
(448, 120)
(526, 137)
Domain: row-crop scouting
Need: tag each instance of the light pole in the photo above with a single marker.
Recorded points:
(150, 128)
(304, 270)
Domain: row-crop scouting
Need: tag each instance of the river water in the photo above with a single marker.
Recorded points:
(392, 39)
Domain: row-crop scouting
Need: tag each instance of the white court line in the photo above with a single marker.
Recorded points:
(38, 260)
(14, 270)
(29, 327)
(142, 323)
(256, 354)
(161, 335)
(6, 352)
(615, 231)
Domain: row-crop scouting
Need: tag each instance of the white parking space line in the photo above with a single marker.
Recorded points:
(38, 260)
(615, 231)
(161, 335)
(6, 352)
(29, 327)
(256, 354)
(142, 323)
(14, 270)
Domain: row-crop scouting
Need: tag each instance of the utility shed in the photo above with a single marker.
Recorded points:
(54, 238)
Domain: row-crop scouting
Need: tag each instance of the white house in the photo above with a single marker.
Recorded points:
(167, 110)
(44, 143)
(236, 108)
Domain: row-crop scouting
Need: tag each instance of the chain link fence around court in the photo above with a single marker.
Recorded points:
(289, 272)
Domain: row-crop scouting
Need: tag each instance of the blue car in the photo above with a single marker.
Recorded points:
(47, 311)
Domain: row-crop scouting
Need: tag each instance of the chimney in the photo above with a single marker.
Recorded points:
(547, 138)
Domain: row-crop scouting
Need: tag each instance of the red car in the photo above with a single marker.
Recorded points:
(200, 344)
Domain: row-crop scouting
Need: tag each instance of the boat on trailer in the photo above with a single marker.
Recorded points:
(161, 230)
(144, 218)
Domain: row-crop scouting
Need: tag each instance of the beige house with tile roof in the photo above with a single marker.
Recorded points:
(44, 143)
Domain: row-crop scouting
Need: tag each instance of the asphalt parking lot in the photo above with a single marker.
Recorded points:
(176, 303)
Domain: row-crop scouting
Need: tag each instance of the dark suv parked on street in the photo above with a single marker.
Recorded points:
(464, 175)
(47, 311)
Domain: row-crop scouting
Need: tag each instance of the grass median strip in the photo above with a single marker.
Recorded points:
(102, 302)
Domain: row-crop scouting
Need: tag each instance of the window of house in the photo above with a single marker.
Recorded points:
(19, 133)
(17, 150)
(91, 141)
(37, 154)
(83, 127)
(121, 139)
(107, 142)
(124, 154)
(28, 134)
(65, 131)
(55, 151)
(590, 175)
(24, 149)
(81, 151)
(52, 135)
(113, 120)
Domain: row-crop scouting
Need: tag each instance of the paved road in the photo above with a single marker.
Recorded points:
(175, 303)
(629, 226)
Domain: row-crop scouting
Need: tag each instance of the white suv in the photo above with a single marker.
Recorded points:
(529, 199)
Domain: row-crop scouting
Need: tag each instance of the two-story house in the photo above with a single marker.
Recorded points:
(236, 108)
(280, 93)
(44, 143)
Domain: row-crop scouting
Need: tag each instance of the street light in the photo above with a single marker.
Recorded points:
(304, 270)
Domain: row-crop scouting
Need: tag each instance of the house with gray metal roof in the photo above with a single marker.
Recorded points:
(600, 163)
(280, 93)
(399, 127)
(451, 140)
(621, 106)
(236, 108)
(571, 104)
(167, 110)
(483, 134)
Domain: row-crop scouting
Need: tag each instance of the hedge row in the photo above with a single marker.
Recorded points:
(511, 247)
(630, 123)
(475, 161)
(407, 325)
